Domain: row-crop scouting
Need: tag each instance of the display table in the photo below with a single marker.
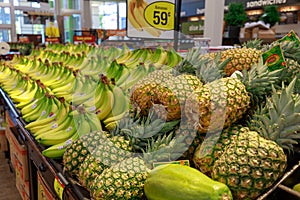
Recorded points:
(51, 171)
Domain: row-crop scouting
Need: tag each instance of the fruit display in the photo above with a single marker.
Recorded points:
(123, 122)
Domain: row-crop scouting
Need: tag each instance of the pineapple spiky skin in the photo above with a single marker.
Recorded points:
(143, 93)
(240, 59)
(212, 148)
(109, 152)
(293, 67)
(78, 150)
(218, 104)
(250, 165)
(255, 160)
(124, 180)
(171, 95)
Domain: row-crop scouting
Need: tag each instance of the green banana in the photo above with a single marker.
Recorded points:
(94, 122)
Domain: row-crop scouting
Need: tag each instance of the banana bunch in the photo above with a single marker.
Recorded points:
(79, 123)
(83, 90)
(173, 58)
(119, 108)
(136, 18)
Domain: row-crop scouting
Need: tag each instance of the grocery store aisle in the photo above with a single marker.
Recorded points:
(8, 189)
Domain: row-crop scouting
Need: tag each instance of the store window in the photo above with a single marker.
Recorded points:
(5, 35)
(5, 15)
(71, 23)
(70, 4)
(108, 15)
(27, 24)
(4, 1)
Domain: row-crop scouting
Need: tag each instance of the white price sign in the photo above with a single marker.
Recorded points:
(151, 19)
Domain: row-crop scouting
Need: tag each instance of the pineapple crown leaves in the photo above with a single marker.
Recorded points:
(140, 129)
(256, 44)
(164, 148)
(259, 81)
(279, 119)
(205, 68)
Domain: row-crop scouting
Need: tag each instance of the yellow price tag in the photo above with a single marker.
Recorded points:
(59, 187)
(160, 15)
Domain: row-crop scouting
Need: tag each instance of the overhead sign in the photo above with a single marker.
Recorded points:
(260, 3)
(151, 19)
(193, 28)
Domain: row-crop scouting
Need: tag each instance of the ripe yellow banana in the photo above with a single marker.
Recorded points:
(107, 105)
(120, 107)
(57, 151)
(58, 136)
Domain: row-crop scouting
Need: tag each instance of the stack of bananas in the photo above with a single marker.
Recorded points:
(64, 92)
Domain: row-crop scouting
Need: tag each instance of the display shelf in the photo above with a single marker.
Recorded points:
(50, 169)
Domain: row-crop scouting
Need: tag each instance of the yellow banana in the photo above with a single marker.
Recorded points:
(120, 104)
(58, 136)
(57, 151)
(107, 105)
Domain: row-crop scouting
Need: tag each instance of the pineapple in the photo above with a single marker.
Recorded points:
(172, 94)
(124, 180)
(220, 103)
(240, 59)
(257, 157)
(107, 153)
(89, 144)
(78, 150)
(143, 93)
(212, 147)
(168, 96)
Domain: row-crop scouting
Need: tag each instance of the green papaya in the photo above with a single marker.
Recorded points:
(178, 182)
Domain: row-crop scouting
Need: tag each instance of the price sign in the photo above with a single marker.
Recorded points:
(59, 187)
(160, 15)
(151, 19)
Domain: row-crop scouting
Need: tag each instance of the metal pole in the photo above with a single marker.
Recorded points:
(177, 23)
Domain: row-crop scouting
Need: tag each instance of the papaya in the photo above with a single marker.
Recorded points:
(178, 182)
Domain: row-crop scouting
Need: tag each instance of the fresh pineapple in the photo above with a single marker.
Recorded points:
(79, 149)
(255, 160)
(212, 148)
(168, 95)
(172, 94)
(240, 59)
(108, 152)
(100, 146)
(124, 180)
(143, 93)
(220, 103)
